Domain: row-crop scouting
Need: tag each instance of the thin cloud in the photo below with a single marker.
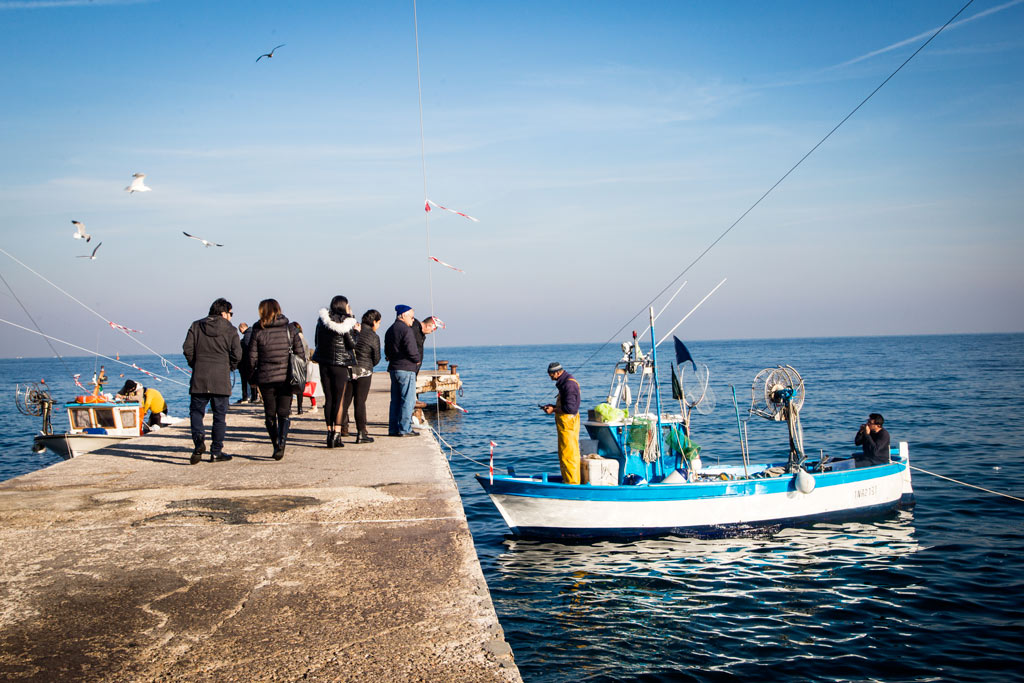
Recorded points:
(50, 4)
(921, 36)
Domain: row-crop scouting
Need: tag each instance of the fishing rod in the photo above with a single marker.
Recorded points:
(96, 353)
(115, 326)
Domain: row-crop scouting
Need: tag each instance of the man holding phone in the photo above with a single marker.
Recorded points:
(567, 420)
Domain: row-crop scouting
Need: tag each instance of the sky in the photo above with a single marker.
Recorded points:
(603, 146)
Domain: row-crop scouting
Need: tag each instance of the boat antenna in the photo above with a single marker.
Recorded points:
(777, 183)
(36, 325)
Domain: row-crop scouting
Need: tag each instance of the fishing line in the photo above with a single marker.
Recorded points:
(94, 353)
(777, 183)
(39, 329)
(426, 214)
(111, 323)
(964, 483)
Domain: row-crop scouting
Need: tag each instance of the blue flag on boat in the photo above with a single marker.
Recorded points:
(682, 354)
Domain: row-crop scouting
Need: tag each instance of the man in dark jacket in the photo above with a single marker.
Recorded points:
(212, 350)
(420, 330)
(404, 359)
(244, 368)
(874, 442)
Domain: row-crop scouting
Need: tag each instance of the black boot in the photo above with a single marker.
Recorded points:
(271, 424)
(338, 443)
(282, 436)
(197, 452)
(363, 437)
(330, 439)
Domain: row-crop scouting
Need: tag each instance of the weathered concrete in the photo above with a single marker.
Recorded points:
(344, 564)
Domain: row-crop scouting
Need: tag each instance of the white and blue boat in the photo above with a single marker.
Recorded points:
(643, 476)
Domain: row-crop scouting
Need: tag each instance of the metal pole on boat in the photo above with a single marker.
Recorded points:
(657, 394)
(739, 428)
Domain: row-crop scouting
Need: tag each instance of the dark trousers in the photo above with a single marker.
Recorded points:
(196, 413)
(248, 390)
(358, 390)
(277, 400)
(335, 382)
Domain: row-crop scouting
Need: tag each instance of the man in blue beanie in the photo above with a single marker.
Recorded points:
(404, 359)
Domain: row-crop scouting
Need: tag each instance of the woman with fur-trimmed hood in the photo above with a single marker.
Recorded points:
(335, 346)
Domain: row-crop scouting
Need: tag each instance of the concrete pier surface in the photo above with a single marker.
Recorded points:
(129, 564)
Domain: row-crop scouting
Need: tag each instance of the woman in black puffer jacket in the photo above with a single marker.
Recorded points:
(273, 336)
(335, 346)
(367, 355)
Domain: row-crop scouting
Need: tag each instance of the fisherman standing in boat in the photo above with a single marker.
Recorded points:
(567, 421)
(874, 441)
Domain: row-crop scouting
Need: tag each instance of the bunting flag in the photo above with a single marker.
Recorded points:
(446, 265)
(439, 322)
(430, 203)
(126, 330)
(677, 391)
(77, 383)
(145, 372)
(492, 461)
(682, 355)
(452, 404)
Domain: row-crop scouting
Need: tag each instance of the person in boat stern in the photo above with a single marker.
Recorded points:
(567, 421)
(273, 338)
(874, 442)
(212, 349)
(403, 362)
(335, 346)
(149, 399)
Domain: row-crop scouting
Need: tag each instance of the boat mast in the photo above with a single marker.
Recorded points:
(657, 396)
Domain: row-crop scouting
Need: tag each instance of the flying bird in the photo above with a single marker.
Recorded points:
(206, 243)
(92, 256)
(81, 234)
(138, 184)
(269, 55)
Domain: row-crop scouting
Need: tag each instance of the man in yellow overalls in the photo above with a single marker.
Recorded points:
(151, 400)
(567, 421)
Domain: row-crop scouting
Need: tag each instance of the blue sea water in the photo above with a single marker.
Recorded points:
(933, 593)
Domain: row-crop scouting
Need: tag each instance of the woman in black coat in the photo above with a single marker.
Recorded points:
(272, 339)
(335, 344)
(367, 353)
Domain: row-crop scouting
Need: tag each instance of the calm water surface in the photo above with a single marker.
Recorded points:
(936, 593)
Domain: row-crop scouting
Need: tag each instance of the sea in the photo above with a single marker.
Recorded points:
(933, 593)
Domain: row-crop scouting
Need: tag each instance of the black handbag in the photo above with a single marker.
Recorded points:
(296, 365)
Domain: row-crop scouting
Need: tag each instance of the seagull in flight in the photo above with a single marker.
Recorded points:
(92, 256)
(206, 243)
(81, 234)
(270, 55)
(138, 184)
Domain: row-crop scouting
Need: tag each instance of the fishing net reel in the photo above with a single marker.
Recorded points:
(777, 394)
(34, 400)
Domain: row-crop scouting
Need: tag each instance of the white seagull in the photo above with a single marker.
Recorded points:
(138, 184)
(206, 243)
(269, 55)
(92, 256)
(81, 234)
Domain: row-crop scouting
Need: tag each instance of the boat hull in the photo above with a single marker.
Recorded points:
(69, 446)
(539, 509)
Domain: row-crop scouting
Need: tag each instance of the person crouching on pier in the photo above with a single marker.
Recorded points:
(272, 339)
(149, 399)
(335, 347)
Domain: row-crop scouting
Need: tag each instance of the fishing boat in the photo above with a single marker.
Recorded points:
(95, 421)
(643, 475)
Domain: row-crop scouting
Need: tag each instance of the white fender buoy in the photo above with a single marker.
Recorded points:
(804, 481)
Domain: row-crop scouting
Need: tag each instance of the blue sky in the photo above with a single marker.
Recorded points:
(602, 145)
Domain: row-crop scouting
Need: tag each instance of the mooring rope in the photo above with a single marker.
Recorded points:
(964, 483)
(39, 329)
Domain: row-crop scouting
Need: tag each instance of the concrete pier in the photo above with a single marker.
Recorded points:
(129, 564)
